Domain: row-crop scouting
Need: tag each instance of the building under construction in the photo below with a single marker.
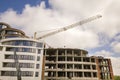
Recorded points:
(74, 64)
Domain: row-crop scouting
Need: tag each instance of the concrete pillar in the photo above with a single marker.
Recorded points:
(97, 67)
(56, 63)
(81, 59)
(110, 68)
(65, 63)
(83, 74)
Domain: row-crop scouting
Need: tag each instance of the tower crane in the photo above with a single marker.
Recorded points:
(69, 26)
(17, 65)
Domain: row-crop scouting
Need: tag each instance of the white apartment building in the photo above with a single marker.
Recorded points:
(20, 56)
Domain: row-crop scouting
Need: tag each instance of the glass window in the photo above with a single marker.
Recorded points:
(37, 66)
(11, 32)
(39, 51)
(9, 49)
(1, 48)
(39, 44)
(36, 74)
(21, 49)
(38, 58)
(23, 43)
(14, 73)
(21, 57)
(22, 65)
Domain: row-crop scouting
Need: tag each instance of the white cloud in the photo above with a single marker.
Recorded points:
(116, 46)
(74, 39)
(115, 64)
(79, 7)
(117, 38)
(103, 53)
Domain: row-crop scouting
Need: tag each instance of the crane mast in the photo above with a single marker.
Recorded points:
(70, 26)
(17, 65)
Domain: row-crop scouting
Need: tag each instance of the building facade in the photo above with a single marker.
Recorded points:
(20, 56)
(74, 64)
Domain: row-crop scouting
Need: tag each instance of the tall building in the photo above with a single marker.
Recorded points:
(20, 56)
(74, 64)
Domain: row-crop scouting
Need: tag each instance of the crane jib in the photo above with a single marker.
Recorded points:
(71, 26)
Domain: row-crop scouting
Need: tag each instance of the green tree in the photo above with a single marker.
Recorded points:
(116, 77)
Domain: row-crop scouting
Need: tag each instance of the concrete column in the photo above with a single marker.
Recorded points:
(73, 60)
(56, 63)
(65, 63)
(81, 53)
(97, 67)
(83, 74)
(90, 59)
(82, 69)
(81, 59)
(91, 74)
(91, 67)
(110, 68)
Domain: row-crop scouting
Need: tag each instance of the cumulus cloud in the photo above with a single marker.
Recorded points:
(103, 53)
(115, 64)
(74, 39)
(116, 47)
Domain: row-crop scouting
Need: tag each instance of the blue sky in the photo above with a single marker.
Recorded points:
(100, 37)
(18, 5)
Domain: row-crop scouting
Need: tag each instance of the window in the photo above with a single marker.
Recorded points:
(61, 74)
(39, 44)
(36, 74)
(22, 43)
(38, 58)
(27, 73)
(77, 66)
(32, 50)
(9, 49)
(92, 59)
(86, 59)
(22, 65)
(1, 48)
(61, 58)
(94, 74)
(78, 74)
(87, 74)
(86, 66)
(37, 66)
(94, 67)
(69, 66)
(14, 73)
(77, 59)
(39, 51)
(12, 32)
